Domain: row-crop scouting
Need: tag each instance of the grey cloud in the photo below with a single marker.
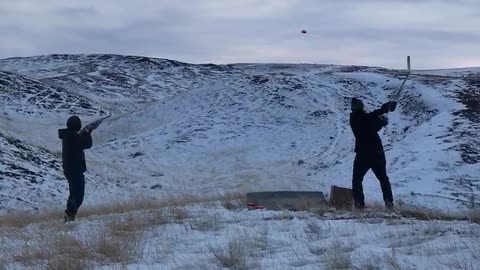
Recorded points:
(75, 11)
(338, 31)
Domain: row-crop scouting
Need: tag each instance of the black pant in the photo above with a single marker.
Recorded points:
(76, 185)
(363, 163)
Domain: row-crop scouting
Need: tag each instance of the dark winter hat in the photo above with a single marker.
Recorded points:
(74, 123)
(357, 104)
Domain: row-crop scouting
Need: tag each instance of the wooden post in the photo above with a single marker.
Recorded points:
(341, 197)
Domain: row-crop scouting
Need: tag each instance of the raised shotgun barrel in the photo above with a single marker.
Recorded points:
(94, 124)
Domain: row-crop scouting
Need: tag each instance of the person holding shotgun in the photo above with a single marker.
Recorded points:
(369, 150)
(368, 146)
(74, 141)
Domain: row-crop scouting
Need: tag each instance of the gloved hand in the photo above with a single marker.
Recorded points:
(384, 120)
(389, 106)
(393, 105)
(87, 129)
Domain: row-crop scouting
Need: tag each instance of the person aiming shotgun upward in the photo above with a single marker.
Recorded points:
(74, 142)
(369, 150)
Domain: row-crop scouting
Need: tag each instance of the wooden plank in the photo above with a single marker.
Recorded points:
(341, 197)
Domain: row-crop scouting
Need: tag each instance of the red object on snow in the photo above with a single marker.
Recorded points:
(260, 207)
(251, 204)
(304, 31)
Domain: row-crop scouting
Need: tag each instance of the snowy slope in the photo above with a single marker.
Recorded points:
(199, 129)
(117, 82)
(26, 96)
(30, 176)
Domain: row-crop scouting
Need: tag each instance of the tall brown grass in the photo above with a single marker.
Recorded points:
(22, 219)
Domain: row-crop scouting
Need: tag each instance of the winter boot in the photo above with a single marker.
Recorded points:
(359, 206)
(68, 218)
(389, 205)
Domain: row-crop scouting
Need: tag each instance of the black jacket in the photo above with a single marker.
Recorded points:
(365, 127)
(73, 144)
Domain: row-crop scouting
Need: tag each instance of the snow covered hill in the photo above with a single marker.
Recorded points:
(179, 128)
(26, 96)
(116, 82)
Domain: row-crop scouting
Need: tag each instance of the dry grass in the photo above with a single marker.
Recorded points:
(345, 230)
(155, 217)
(474, 215)
(62, 263)
(371, 263)
(428, 214)
(299, 258)
(316, 231)
(140, 205)
(121, 207)
(206, 221)
(241, 251)
(320, 210)
(461, 254)
(129, 224)
(405, 239)
(53, 248)
(415, 239)
(392, 261)
(337, 256)
(179, 214)
(23, 219)
(229, 201)
(30, 253)
(234, 256)
(3, 261)
(435, 228)
(120, 241)
(233, 201)
(475, 247)
(463, 263)
(119, 247)
(163, 246)
(6, 252)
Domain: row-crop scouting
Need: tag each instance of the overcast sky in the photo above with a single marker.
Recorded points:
(436, 33)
